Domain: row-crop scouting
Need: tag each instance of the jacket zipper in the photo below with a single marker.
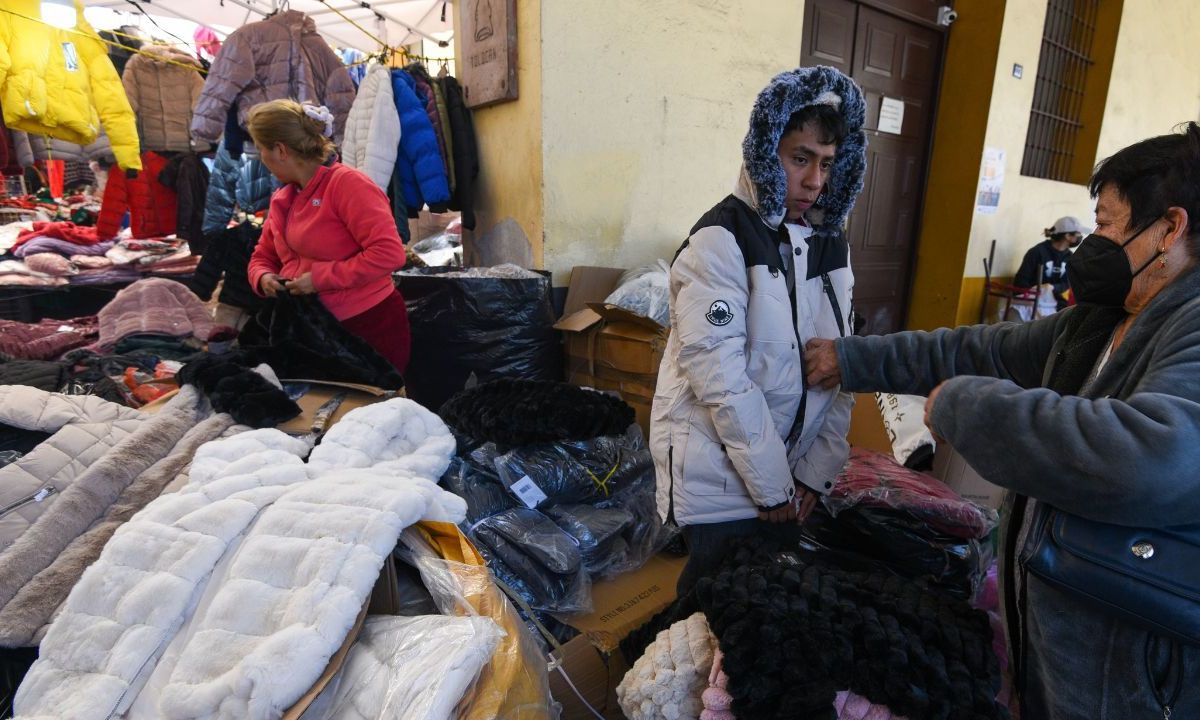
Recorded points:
(42, 493)
(798, 423)
(671, 484)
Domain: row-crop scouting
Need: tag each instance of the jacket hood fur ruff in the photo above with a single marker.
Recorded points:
(787, 93)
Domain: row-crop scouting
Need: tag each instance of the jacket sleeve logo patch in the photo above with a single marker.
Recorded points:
(719, 313)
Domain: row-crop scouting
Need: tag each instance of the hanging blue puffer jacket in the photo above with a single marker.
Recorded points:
(244, 182)
(419, 163)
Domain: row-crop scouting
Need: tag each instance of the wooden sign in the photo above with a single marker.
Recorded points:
(488, 39)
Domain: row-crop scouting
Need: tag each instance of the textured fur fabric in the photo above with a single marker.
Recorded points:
(83, 429)
(668, 680)
(788, 92)
(524, 412)
(794, 632)
(34, 605)
(234, 388)
(307, 543)
(95, 490)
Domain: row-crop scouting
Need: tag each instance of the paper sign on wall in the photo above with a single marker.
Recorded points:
(891, 116)
(991, 181)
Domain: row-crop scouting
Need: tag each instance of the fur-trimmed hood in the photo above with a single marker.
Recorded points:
(763, 184)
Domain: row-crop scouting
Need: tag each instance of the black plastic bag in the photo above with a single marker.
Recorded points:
(546, 559)
(482, 490)
(488, 328)
(596, 530)
(582, 471)
(299, 338)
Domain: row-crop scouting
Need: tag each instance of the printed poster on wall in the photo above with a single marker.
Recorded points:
(489, 51)
(991, 181)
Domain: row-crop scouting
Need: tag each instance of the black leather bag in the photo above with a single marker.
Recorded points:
(1146, 577)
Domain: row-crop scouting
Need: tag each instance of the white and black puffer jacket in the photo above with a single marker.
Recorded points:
(733, 427)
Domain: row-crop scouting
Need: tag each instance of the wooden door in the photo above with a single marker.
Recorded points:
(897, 57)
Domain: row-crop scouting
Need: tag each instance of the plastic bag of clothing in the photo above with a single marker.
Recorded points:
(582, 471)
(546, 559)
(482, 490)
(514, 685)
(8, 457)
(644, 290)
(412, 667)
(874, 480)
(481, 328)
(298, 337)
(903, 545)
(645, 536)
(596, 530)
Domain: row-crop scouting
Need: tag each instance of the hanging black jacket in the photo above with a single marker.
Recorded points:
(228, 254)
(187, 175)
(466, 151)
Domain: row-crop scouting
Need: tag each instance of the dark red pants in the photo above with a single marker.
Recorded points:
(385, 328)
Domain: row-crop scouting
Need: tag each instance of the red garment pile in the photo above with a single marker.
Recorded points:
(69, 231)
(48, 339)
(872, 479)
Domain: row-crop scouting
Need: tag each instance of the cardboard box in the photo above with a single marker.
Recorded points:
(609, 347)
(594, 675)
(321, 391)
(592, 661)
(952, 469)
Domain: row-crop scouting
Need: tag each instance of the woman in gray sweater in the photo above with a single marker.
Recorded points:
(1093, 412)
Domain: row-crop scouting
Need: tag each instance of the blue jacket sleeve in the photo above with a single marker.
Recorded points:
(418, 144)
(219, 200)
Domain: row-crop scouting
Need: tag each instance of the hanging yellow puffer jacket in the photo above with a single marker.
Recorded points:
(61, 83)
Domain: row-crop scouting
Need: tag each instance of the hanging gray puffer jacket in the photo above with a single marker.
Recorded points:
(31, 148)
(733, 428)
(280, 57)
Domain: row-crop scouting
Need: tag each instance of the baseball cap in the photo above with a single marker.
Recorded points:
(1066, 224)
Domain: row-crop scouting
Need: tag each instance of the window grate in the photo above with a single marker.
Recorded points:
(1054, 120)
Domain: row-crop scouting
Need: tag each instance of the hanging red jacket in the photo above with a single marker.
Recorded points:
(150, 203)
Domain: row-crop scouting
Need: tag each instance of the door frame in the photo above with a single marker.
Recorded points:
(887, 8)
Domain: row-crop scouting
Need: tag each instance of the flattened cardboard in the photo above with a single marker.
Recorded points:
(310, 401)
(625, 603)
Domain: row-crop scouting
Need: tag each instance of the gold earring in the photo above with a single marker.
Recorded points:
(1163, 262)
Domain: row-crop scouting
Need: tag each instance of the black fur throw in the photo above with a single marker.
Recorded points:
(233, 388)
(795, 631)
(512, 413)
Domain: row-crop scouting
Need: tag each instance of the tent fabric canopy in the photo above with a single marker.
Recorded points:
(396, 22)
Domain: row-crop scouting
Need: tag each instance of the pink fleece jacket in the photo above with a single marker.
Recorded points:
(340, 228)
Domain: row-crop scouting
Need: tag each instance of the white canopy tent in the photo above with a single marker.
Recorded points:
(354, 24)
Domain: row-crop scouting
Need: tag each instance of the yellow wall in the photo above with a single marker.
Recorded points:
(510, 140)
(958, 137)
(646, 105)
(1155, 85)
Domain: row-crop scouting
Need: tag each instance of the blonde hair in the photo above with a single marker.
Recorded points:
(284, 121)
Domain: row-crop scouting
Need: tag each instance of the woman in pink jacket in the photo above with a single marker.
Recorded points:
(329, 230)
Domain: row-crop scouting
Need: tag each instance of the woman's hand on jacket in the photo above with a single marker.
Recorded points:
(821, 361)
(302, 285)
(270, 284)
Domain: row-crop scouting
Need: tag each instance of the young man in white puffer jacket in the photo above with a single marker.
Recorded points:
(740, 445)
